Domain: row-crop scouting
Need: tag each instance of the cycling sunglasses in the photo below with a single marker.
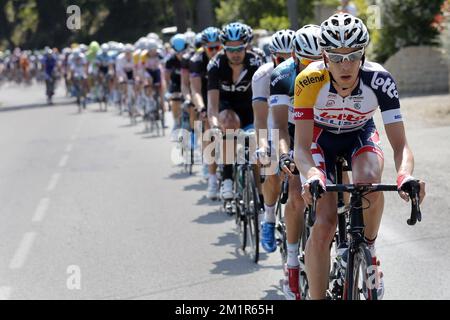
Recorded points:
(235, 49)
(352, 56)
(213, 48)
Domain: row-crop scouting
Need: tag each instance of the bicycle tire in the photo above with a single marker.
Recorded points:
(252, 214)
(360, 260)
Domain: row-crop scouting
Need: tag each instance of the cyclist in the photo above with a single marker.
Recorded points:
(152, 68)
(335, 100)
(49, 65)
(126, 71)
(173, 72)
(199, 89)
(78, 68)
(230, 74)
(306, 50)
(280, 49)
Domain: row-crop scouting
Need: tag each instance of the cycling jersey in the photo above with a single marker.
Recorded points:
(174, 66)
(77, 66)
(350, 117)
(261, 88)
(235, 96)
(315, 93)
(198, 68)
(151, 67)
(49, 64)
(124, 66)
(282, 84)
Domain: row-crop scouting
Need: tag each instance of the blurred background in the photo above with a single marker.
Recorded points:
(422, 26)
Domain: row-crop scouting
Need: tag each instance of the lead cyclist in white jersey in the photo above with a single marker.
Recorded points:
(334, 102)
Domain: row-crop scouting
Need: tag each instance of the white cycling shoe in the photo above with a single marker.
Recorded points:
(226, 192)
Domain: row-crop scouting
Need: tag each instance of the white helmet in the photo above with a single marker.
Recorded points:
(105, 47)
(281, 41)
(306, 41)
(343, 30)
(153, 36)
(141, 43)
(128, 48)
(152, 45)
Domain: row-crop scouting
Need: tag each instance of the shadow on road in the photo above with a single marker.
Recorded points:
(227, 239)
(214, 217)
(200, 186)
(205, 201)
(274, 294)
(239, 265)
(35, 106)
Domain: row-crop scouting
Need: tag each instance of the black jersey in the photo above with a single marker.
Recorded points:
(174, 65)
(198, 68)
(220, 77)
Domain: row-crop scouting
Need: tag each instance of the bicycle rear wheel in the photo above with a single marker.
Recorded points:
(253, 207)
(360, 275)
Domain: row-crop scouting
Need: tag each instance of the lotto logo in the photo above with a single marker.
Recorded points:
(387, 85)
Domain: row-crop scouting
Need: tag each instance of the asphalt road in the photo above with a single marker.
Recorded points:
(93, 208)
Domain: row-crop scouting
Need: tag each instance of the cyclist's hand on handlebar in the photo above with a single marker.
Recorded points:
(307, 193)
(287, 164)
(402, 184)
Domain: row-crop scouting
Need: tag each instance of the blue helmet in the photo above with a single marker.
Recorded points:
(179, 42)
(210, 34)
(234, 32)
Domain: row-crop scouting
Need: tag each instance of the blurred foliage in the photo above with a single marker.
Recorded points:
(407, 23)
(37, 23)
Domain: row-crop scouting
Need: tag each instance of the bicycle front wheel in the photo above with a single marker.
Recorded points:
(360, 275)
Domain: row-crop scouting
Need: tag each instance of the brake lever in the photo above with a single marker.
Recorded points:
(413, 189)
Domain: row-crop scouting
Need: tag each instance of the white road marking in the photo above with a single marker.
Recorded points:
(5, 293)
(41, 210)
(69, 148)
(63, 161)
(22, 252)
(53, 181)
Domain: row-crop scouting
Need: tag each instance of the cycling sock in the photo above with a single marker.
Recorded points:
(227, 172)
(371, 245)
(269, 214)
(292, 255)
(212, 178)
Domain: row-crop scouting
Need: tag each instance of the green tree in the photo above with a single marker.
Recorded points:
(407, 23)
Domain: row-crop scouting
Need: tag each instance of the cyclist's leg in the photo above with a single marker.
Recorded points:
(317, 251)
(367, 166)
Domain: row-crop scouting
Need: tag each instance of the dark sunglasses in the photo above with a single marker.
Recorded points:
(235, 49)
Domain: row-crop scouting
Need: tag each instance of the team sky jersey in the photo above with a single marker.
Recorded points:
(316, 98)
(261, 87)
(198, 68)
(220, 77)
(174, 66)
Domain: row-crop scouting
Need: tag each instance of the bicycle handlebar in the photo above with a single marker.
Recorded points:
(411, 187)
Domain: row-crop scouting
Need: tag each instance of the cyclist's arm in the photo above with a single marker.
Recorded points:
(403, 156)
(213, 93)
(196, 90)
(280, 116)
(260, 112)
(304, 101)
(185, 86)
(213, 107)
